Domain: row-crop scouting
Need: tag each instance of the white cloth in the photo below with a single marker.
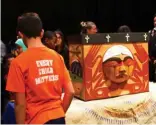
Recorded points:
(116, 50)
(141, 106)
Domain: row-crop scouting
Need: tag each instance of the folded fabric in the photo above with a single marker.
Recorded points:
(21, 44)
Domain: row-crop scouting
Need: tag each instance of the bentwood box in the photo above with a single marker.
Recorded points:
(108, 64)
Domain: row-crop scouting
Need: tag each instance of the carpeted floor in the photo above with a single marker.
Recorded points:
(129, 109)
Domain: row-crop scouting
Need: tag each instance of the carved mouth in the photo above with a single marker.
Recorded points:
(121, 76)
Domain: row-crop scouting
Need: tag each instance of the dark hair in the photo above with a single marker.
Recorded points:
(86, 25)
(48, 35)
(64, 43)
(5, 62)
(30, 25)
(61, 34)
(124, 29)
(6, 57)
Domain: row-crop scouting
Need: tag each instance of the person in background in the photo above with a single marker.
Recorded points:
(88, 27)
(6, 96)
(20, 46)
(37, 78)
(152, 52)
(61, 47)
(7, 61)
(9, 114)
(49, 39)
(124, 29)
(3, 50)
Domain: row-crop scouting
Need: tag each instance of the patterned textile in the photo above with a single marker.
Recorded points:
(129, 109)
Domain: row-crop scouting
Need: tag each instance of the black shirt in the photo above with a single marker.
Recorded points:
(65, 54)
(152, 44)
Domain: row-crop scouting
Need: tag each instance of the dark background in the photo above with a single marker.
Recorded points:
(67, 14)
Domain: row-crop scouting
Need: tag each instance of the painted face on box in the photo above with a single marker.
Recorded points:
(118, 64)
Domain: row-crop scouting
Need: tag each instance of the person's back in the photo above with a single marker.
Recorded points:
(39, 75)
(43, 71)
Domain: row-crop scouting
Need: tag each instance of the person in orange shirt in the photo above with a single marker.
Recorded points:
(37, 77)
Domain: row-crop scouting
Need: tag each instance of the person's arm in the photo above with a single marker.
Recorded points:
(68, 96)
(20, 106)
(15, 84)
(68, 89)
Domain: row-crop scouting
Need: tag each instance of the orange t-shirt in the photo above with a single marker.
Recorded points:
(41, 74)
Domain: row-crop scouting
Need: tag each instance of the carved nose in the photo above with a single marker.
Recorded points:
(122, 69)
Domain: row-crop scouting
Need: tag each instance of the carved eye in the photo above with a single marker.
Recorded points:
(129, 62)
(111, 64)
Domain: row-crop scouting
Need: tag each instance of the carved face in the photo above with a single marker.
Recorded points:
(119, 68)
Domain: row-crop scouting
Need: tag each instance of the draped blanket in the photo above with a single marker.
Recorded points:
(129, 109)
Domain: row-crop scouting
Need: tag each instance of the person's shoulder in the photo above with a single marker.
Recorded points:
(20, 58)
(54, 53)
(15, 62)
(51, 51)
